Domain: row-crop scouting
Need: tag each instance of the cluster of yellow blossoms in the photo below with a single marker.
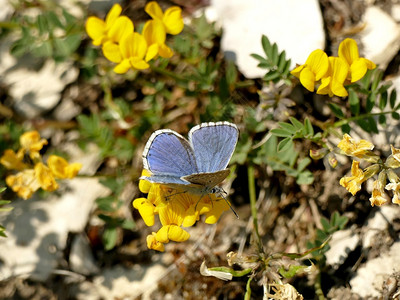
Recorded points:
(176, 209)
(33, 173)
(363, 150)
(333, 72)
(129, 49)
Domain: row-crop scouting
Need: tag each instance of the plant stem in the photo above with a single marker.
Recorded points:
(317, 286)
(359, 117)
(252, 196)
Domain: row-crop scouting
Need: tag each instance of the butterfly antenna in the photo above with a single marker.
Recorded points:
(229, 204)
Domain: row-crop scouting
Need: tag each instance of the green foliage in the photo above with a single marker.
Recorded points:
(109, 212)
(52, 33)
(285, 159)
(275, 62)
(336, 223)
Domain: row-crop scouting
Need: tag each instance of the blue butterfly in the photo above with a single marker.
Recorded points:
(196, 165)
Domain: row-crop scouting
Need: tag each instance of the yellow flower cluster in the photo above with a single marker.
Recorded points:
(175, 209)
(363, 150)
(34, 174)
(130, 49)
(333, 72)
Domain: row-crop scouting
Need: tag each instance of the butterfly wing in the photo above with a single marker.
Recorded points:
(168, 156)
(213, 145)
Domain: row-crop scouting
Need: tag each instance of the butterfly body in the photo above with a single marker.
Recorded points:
(196, 165)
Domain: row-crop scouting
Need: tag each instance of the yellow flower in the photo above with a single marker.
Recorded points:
(332, 82)
(45, 177)
(146, 210)
(23, 183)
(144, 185)
(361, 149)
(61, 169)
(30, 142)
(379, 196)
(132, 51)
(394, 185)
(176, 209)
(152, 243)
(218, 207)
(171, 19)
(155, 35)
(314, 69)
(12, 160)
(353, 183)
(348, 50)
(112, 30)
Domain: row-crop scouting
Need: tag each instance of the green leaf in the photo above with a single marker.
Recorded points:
(303, 164)
(336, 110)
(274, 56)
(305, 177)
(354, 102)
(282, 62)
(325, 224)
(395, 116)
(285, 144)
(393, 98)
(383, 100)
(43, 50)
(377, 80)
(292, 271)
(271, 76)
(296, 123)
(281, 132)
(288, 127)
(382, 119)
(371, 99)
(346, 128)
(258, 57)
(110, 236)
(308, 126)
(42, 24)
(266, 45)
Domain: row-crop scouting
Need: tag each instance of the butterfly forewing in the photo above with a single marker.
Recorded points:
(169, 154)
(213, 145)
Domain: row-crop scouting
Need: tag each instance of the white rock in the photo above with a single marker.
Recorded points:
(396, 12)
(81, 257)
(37, 92)
(379, 221)
(369, 278)
(381, 36)
(342, 243)
(37, 229)
(296, 26)
(6, 10)
(122, 283)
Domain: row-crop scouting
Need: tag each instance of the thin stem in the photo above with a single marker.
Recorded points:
(355, 118)
(252, 195)
(317, 286)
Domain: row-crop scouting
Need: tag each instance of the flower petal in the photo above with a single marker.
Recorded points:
(348, 50)
(113, 14)
(318, 62)
(177, 234)
(154, 10)
(307, 79)
(173, 20)
(120, 28)
(112, 52)
(96, 30)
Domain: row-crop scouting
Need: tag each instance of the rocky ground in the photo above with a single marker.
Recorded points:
(51, 250)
